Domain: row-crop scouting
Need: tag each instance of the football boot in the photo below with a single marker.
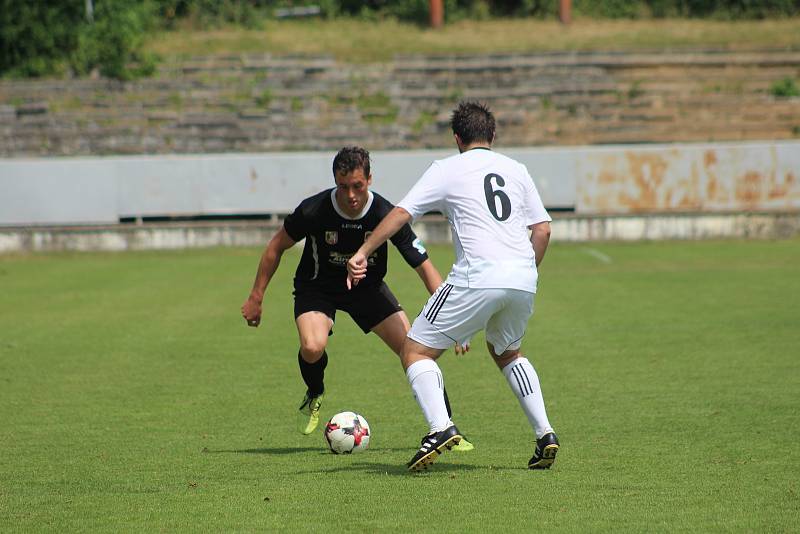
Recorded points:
(463, 446)
(309, 413)
(432, 446)
(545, 453)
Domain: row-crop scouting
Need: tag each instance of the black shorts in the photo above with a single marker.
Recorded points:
(368, 306)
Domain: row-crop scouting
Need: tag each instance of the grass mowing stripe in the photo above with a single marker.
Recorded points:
(133, 398)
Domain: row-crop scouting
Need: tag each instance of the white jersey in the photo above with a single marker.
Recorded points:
(489, 200)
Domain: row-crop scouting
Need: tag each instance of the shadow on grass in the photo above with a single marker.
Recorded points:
(373, 468)
(284, 450)
(395, 469)
(269, 450)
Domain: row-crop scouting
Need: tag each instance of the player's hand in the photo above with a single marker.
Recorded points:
(356, 269)
(251, 311)
(461, 349)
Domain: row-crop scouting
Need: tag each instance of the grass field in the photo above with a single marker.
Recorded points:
(364, 41)
(133, 398)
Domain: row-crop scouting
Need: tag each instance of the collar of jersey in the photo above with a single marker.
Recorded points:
(343, 215)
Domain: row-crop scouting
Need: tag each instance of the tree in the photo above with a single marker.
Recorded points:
(51, 37)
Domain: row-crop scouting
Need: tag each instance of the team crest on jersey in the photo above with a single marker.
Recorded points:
(332, 238)
(366, 235)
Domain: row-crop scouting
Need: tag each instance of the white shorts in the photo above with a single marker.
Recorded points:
(455, 314)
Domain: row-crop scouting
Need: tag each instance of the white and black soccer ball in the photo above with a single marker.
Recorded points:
(347, 432)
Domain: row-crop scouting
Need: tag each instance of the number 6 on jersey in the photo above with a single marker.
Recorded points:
(492, 195)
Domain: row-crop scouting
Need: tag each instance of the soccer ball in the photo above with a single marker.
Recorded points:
(347, 432)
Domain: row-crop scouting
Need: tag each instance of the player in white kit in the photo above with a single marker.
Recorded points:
(491, 204)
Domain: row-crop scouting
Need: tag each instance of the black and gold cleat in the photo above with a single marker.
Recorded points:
(545, 453)
(432, 446)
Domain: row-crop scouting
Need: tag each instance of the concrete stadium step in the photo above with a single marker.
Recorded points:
(260, 102)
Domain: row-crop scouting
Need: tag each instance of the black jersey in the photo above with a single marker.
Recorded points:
(332, 238)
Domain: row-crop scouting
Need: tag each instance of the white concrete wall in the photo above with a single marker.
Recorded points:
(592, 180)
(433, 230)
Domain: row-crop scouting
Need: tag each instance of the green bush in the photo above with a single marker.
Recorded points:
(750, 9)
(730, 9)
(739, 9)
(113, 43)
(614, 9)
(785, 87)
(51, 37)
(250, 13)
(35, 35)
(211, 13)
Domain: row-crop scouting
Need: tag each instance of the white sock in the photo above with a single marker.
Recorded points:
(427, 383)
(525, 383)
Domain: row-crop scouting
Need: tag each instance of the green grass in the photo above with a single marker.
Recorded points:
(360, 41)
(133, 398)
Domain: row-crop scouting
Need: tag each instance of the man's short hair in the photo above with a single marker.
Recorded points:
(473, 122)
(349, 159)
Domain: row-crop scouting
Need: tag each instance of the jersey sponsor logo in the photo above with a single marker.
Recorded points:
(352, 226)
(419, 246)
(332, 238)
(339, 258)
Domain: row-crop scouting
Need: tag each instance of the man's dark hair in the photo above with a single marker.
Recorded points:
(351, 158)
(473, 122)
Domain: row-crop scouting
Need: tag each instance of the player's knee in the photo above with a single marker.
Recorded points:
(505, 358)
(312, 350)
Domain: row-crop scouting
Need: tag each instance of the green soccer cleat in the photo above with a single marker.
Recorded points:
(463, 445)
(309, 413)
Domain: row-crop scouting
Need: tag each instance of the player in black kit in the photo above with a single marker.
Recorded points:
(335, 223)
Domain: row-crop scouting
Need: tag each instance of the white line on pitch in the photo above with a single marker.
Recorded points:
(593, 252)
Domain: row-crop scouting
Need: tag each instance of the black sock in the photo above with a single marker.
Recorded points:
(447, 403)
(313, 373)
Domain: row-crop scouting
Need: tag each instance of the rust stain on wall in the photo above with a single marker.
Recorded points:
(714, 191)
(749, 187)
(606, 176)
(709, 158)
(754, 188)
(637, 180)
(646, 174)
(691, 197)
(783, 190)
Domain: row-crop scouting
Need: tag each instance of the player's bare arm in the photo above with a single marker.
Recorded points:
(357, 265)
(429, 275)
(270, 259)
(540, 238)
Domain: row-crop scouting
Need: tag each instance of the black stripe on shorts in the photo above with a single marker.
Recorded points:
(433, 311)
